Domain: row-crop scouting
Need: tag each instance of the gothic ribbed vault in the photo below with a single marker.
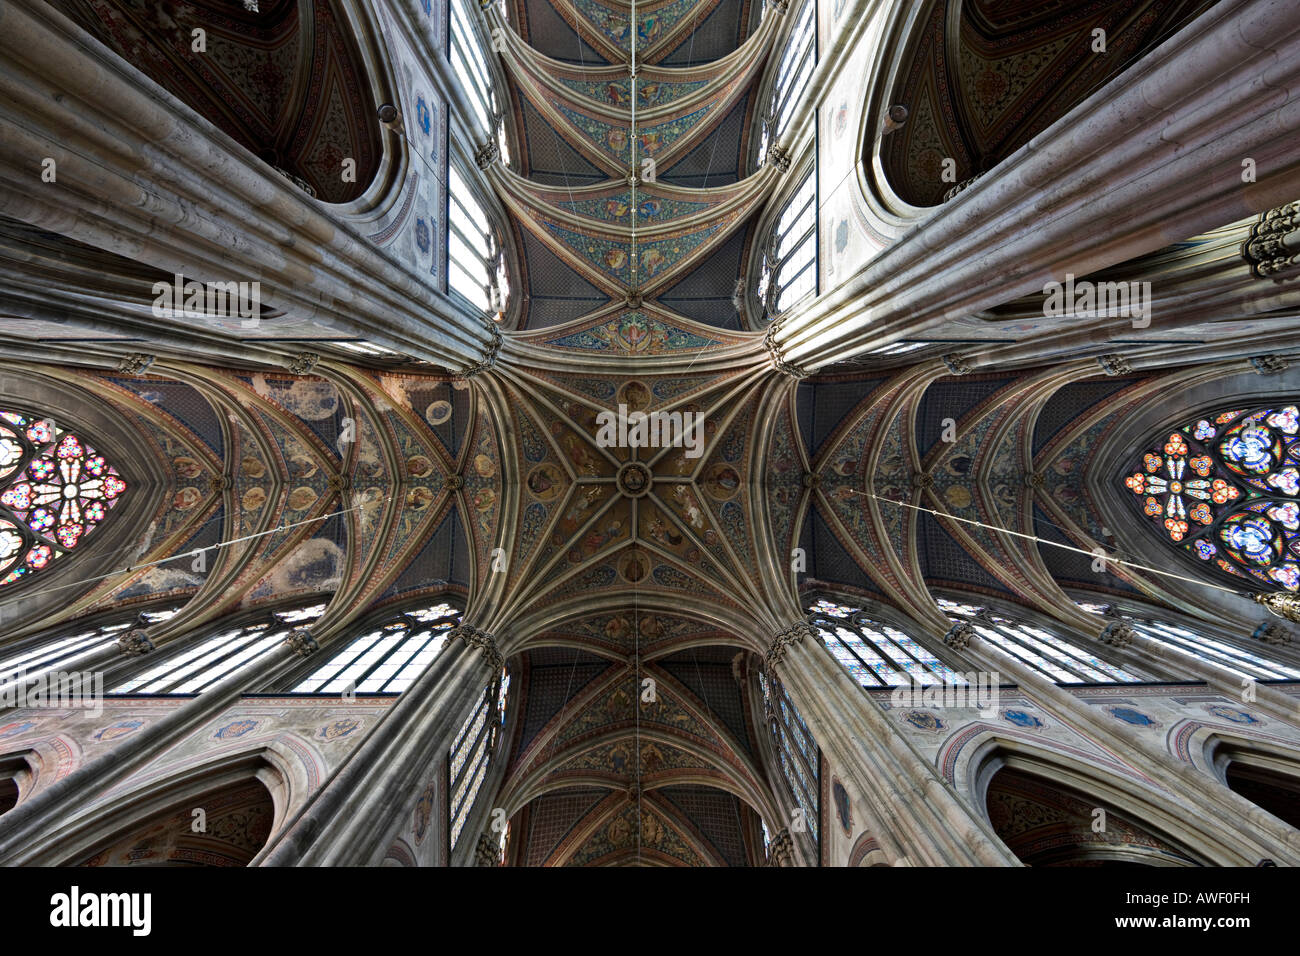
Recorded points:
(642, 409)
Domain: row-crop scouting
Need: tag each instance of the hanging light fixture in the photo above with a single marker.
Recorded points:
(1284, 604)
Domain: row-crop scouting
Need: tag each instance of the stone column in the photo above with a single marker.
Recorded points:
(1154, 157)
(31, 833)
(1227, 273)
(144, 178)
(1155, 653)
(350, 821)
(915, 815)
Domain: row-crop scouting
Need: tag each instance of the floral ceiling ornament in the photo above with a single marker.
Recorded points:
(1225, 489)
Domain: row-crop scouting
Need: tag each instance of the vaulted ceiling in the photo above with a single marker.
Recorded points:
(604, 563)
(591, 240)
(633, 261)
(599, 775)
(984, 76)
(285, 80)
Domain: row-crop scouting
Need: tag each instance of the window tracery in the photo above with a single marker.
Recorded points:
(387, 658)
(1194, 644)
(1046, 652)
(796, 750)
(789, 268)
(55, 489)
(876, 654)
(470, 66)
(475, 262)
(473, 749)
(201, 664)
(1224, 488)
(66, 650)
(792, 76)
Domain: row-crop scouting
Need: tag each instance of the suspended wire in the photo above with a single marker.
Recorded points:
(1046, 519)
(1054, 544)
(634, 271)
(192, 553)
(708, 705)
(708, 171)
(633, 179)
(636, 585)
(582, 61)
(636, 702)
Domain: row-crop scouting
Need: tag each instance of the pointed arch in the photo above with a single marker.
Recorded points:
(1272, 788)
(291, 84)
(1224, 487)
(1260, 767)
(1177, 836)
(18, 772)
(980, 80)
(1047, 824)
(1184, 399)
(132, 455)
(245, 797)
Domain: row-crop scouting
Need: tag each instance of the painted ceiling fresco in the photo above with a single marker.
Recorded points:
(597, 185)
(608, 559)
(620, 564)
(653, 531)
(285, 81)
(978, 92)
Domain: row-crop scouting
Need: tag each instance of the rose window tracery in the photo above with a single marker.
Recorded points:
(1226, 488)
(54, 490)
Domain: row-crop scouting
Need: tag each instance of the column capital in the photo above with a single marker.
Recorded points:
(1117, 634)
(1269, 364)
(1273, 247)
(487, 852)
(1270, 632)
(779, 156)
(780, 852)
(485, 642)
(794, 634)
(959, 636)
(489, 360)
(303, 644)
(135, 363)
(303, 362)
(778, 356)
(487, 154)
(1112, 363)
(135, 643)
(955, 364)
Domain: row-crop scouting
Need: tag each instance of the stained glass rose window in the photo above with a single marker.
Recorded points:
(1226, 488)
(54, 490)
